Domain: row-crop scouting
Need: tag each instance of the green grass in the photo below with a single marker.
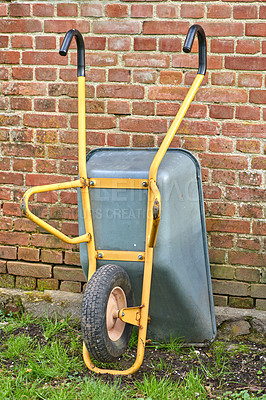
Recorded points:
(41, 358)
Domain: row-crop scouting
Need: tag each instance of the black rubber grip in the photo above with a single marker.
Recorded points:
(202, 46)
(80, 46)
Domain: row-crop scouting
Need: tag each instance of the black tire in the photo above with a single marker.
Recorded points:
(93, 317)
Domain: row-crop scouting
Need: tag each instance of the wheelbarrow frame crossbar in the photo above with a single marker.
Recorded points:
(137, 316)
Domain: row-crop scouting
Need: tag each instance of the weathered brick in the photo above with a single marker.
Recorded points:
(248, 274)
(20, 25)
(218, 11)
(67, 10)
(167, 11)
(63, 25)
(250, 80)
(68, 274)
(258, 163)
(223, 161)
(119, 43)
(261, 304)
(28, 254)
(8, 252)
(141, 10)
(119, 75)
(117, 27)
(222, 95)
(2, 267)
(118, 139)
(247, 258)
(22, 41)
(144, 76)
(223, 209)
(230, 287)
(248, 113)
(244, 194)
(222, 272)
(143, 125)
(192, 11)
(249, 244)
(43, 10)
(146, 60)
(248, 46)
(120, 91)
(250, 178)
(259, 227)
(29, 269)
(221, 111)
(220, 301)
(91, 10)
(70, 286)
(165, 27)
(227, 225)
(118, 107)
(250, 211)
(258, 291)
(47, 284)
(223, 241)
(170, 44)
(143, 108)
(248, 63)
(116, 10)
(250, 130)
(25, 283)
(143, 141)
(241, 302)
(7, 281)
(144, 44)
(14, 238)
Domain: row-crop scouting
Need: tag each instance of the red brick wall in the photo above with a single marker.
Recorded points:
(137, 76)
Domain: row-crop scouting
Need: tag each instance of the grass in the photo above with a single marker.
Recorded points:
(41, 358)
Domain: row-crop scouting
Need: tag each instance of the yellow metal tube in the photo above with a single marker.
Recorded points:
(174, 126)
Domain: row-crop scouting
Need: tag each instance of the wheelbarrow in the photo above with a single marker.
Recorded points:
(142, 237)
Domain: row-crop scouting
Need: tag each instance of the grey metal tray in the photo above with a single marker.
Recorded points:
(181, 303)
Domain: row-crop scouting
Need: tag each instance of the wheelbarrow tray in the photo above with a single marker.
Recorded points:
(181, 301)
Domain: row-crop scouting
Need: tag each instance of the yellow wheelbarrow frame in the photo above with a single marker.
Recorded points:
(137, 316)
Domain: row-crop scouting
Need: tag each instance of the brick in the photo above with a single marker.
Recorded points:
(222, 241)
(119, 43)
(244, 194)
(248, 46)
(69, 274)
(170, 77)
(72, 258)
(45, 121)
(44, 104)
(143, 141)
(8, 252)
(261, 304)
(28, 254)
(24, 89)
(165, 27)
(227, 225)
(4, 73)
(223, 161)
(230, 287)
(144, 43)
(45, 42)
(167, 93)
(247, 258)
(241, 302)
(45, 74)
(141, 10)
(19, 10)
(198, 128)
(11, 177)
(146, 60)
(9, 57)
(192, 11)
(167, 11)
(257, 96)
(191, 61)
(258, 290)
(118, 139)
(5, 223)
(218, 11)
(7, 281)
(70, 286)
(91, 10)
(248, 113)
(22, 41)
(222, 95)
(3, 10)
(99, 59)
(223, 209)
(249, 178)
(245, 11)
(218, 111)
(95, 122)
(259, 228)
(262, 13)
(46, 166)
(116, 10)
(13, 209)
(228, 29)
(118, 107)
(249, 244)
(67, 10)
(248, 274)
(4, 41)
(255, 29)
(250, 130)
(20, 104)
(222, 272)
(250, 211)
(170, 44)
(43, 10)
(47, 284)
(20, 25)
(143, 125)
(120, 91)
(222, 46)
(143, 108)
(118, 27)
(2, 267)
(29, 269)
(212, 192)
(221, 145)
(144, 76)
(169, 109)
(63, 25)
(220, 301)
(249, 63)
(223, 78)
(94, 43)
(4, 134)
(96, 75)
(21, 150)
(43, 58)
(217, 256)
(119, 75)
(25, 283)
(250, 80)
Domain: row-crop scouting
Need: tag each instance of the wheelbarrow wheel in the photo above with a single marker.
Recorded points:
(105, 335)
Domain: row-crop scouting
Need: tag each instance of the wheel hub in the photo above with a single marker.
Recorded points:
(116, 301)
